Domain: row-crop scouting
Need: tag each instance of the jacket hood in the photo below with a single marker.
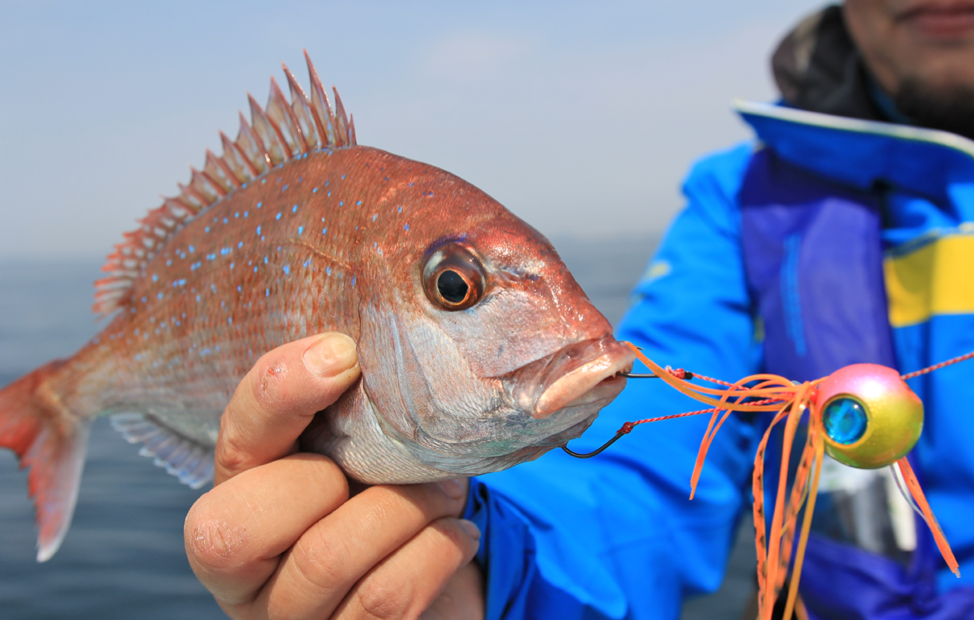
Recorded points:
(818, 68)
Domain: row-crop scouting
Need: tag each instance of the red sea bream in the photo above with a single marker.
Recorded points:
(477, 347)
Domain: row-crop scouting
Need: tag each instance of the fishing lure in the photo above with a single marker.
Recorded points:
(863, 415)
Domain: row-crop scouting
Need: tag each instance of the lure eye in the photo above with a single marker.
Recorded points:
(845, 420)
(870, 416)
(454, 278)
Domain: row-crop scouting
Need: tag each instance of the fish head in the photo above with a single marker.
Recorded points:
(479, 350)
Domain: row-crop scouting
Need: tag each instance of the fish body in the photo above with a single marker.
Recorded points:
(478, 349)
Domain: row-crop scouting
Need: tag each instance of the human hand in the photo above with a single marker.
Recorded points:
(279, 537)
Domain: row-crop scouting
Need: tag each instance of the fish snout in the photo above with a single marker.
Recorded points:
(584, 374)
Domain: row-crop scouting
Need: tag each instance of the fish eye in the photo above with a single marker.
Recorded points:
(454, 278)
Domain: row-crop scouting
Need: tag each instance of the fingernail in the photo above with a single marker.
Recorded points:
(452, 488)
(470, 528)
(331, 355)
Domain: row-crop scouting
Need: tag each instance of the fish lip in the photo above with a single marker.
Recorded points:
(583, 373)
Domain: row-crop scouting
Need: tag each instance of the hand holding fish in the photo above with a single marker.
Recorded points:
(278, 535)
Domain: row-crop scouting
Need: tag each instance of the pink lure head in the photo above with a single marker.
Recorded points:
(870, 416)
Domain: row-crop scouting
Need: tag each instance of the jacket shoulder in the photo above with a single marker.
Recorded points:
(713, 185)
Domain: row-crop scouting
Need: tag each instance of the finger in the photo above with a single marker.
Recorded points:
(277, 399)
(236, 532)
(462, 598)
(335, 553)
(408, 581)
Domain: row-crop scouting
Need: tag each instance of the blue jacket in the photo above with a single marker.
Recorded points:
(616, 536)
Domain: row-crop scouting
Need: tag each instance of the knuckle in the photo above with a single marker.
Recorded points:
(269, 383)
(430, 499)
(229, 454)
(384, 600)
(212, 541)
(322, 560)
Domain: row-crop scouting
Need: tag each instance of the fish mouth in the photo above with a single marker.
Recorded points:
(586, 374)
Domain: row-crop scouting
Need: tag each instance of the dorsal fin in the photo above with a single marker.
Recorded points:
(275, 134)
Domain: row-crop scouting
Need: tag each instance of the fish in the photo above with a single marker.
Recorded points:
(478, 349)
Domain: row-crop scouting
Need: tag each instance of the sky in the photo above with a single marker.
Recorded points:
(580, 117)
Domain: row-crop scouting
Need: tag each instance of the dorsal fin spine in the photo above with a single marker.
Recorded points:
(252, 148)
(218, 171)
(280, 114)
(191, 196)
(270, 135)
(282, 132)
(320, 107)
(302, 112)
(341, 130)
(205, 186)
(235, 160)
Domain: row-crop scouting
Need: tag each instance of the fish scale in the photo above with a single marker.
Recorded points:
(260, 269)
(297, 230)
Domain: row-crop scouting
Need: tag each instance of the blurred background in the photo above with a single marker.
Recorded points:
(581, 118)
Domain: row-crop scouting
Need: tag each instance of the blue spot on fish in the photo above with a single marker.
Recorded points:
(324, 230)
(294, 209)
(207, 229)
(287, 269)
(258, 231)
(314, 191)
(259, 204)
(240, 245)
(406, 227)
(267, 292)
(374, 216)
(278, 216)
(358, 204)
(328, 270)
(155, 278)
(191, 249)
(300, 229)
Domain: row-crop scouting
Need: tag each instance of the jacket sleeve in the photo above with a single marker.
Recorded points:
(615, 536)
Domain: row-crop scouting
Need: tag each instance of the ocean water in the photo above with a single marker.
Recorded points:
(123, 557)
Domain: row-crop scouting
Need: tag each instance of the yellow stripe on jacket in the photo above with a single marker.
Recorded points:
(937, 278)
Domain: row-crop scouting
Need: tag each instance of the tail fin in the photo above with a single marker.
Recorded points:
(50, 441)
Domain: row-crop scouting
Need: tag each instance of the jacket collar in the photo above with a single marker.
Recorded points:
(865, 153)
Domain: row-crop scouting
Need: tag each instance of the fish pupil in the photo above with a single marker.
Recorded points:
(452, 286)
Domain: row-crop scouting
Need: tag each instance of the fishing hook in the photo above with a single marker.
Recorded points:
(628, 426)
